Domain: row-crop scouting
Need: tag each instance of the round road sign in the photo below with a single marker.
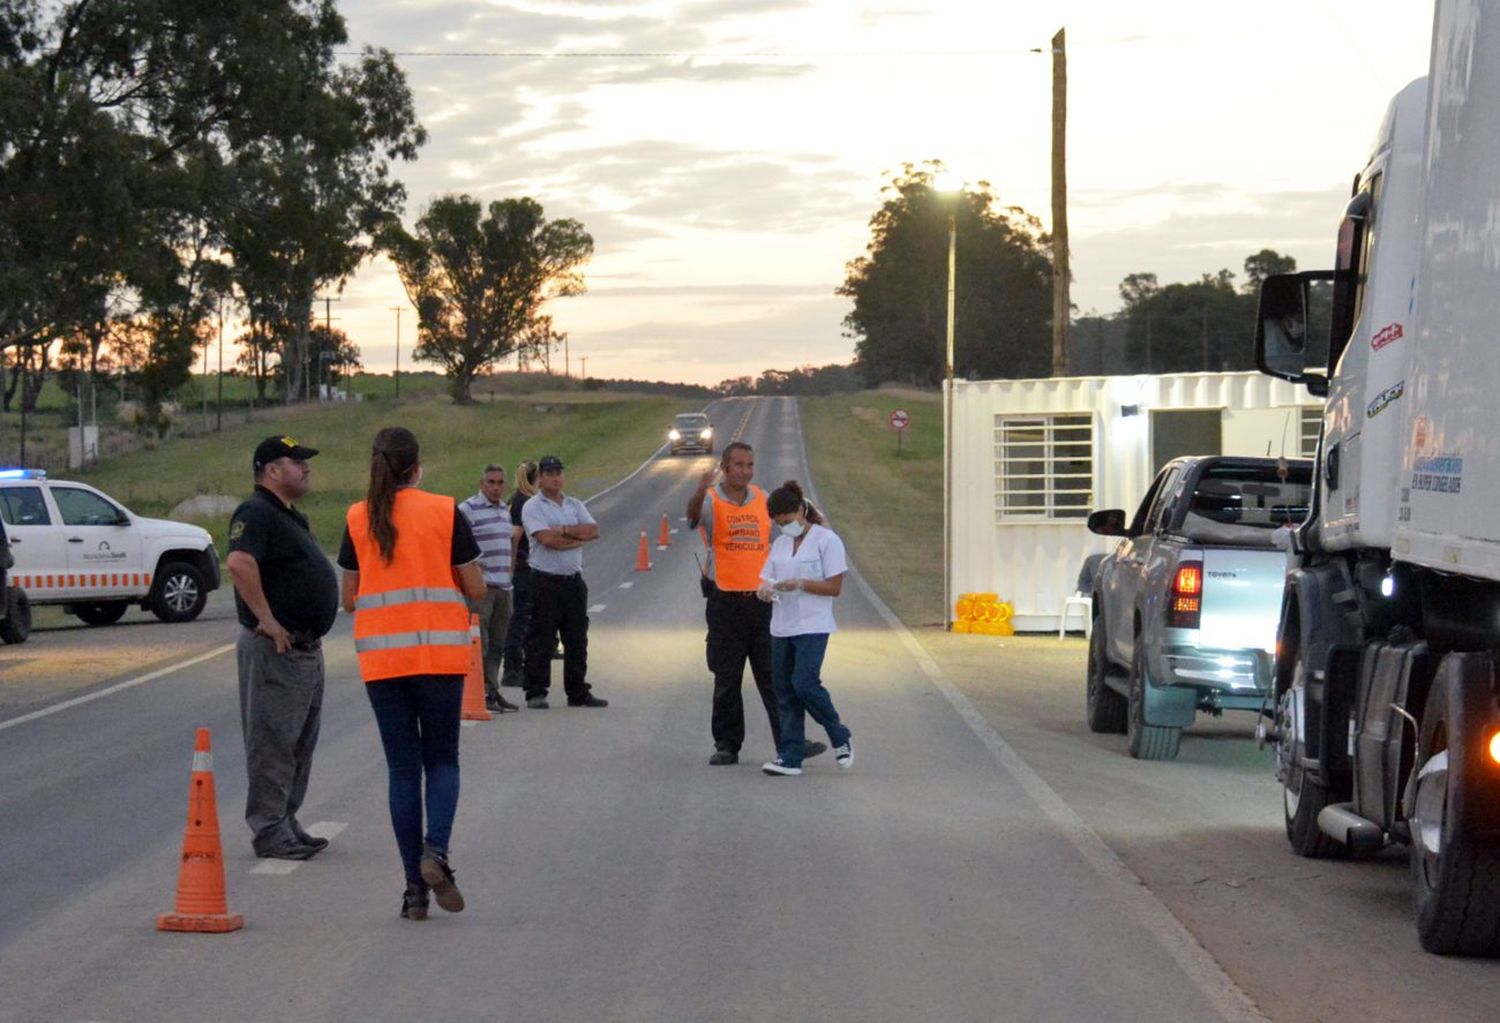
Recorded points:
(899, 419)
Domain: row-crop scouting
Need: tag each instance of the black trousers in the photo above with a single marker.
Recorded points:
(739, 629)
(559, 607)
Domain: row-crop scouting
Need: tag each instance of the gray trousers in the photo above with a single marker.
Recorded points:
(494, 621)
(281, 707)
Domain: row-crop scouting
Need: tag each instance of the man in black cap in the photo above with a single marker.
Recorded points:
(558, 527)
(286, 598)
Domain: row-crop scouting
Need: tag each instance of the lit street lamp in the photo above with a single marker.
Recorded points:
(950, 187)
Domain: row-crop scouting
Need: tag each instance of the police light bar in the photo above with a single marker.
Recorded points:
(23, 474)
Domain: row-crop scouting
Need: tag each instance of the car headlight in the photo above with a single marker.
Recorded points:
(705, 434)
(673, 435)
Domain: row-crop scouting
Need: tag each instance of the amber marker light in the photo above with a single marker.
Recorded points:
(1495, 747)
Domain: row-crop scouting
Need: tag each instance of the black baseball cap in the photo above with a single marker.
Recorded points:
(272, 448)
(549, 463)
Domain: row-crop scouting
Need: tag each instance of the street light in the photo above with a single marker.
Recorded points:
(950, 187)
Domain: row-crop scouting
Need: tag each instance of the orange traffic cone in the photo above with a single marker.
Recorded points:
(665, 540)
(474, 708)
(201, 902)
(642, 557)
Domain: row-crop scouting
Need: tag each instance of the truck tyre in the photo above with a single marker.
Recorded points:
(1146, 742)
(1106, 708)
(1455, 880)
(178, 593)
(16, 625)
(104, 612)
(1302, 797)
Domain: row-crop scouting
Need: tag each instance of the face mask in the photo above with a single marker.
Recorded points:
(793, 529)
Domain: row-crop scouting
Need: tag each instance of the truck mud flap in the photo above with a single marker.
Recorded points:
(1169, 706)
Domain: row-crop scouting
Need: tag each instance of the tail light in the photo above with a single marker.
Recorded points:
(1185, 602)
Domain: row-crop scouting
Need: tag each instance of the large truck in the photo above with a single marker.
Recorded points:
(1386, 686)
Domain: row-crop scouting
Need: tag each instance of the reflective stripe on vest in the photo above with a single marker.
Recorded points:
(409, 618)
(399, 640)
(410, 595)
(741, 540)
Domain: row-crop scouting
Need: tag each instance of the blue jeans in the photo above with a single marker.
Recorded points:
(795, 665)
(418, 717)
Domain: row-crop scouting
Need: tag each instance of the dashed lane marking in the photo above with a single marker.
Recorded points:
(318, 829)
(626, 586)
(596, 609)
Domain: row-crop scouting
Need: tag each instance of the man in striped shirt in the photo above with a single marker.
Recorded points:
(489, 517)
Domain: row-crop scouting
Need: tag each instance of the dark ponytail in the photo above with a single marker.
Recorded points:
(393, 460)
(787, 499)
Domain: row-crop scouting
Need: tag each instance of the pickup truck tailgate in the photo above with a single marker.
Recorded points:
(1241, 598)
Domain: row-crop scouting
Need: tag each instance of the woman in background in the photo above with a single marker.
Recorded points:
(409, 560)
(803, 575)
(520, 580)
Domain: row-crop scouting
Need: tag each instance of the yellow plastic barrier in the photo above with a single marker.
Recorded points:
(983, 614)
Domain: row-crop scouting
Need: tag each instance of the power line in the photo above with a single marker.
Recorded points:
(691, 54)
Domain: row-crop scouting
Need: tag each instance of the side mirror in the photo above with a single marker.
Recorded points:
(1281, 339)
(1109, 522)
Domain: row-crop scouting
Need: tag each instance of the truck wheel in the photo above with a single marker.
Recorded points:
(1106, 708)
(178, 594)
(105, 612)
(1455, 880)
(1147, 742)
(16, 625)
(1302, 797)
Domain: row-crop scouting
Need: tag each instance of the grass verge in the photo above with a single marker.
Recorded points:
(886, 504)
(596, 439)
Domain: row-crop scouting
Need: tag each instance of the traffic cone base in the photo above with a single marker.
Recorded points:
(643, 556)
(473, 706)
(202, 905)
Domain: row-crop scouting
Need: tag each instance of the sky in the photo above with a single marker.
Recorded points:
(727, 155)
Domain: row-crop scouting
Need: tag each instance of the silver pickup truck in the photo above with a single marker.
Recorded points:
(1186, 607)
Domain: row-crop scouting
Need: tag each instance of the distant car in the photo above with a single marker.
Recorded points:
(1186, 607)
(691, 430)
(78, 547)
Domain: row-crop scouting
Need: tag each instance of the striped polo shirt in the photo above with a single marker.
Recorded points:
(492, 529)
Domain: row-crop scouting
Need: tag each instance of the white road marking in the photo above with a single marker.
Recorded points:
(626, 586)
(596, 609)
(1139, 901)
(467, 724)
(116, 688)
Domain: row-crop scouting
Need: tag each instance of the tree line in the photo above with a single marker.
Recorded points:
(1003, 308)
(161, 159)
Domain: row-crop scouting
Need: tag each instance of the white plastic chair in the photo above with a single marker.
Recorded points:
(1080, 598)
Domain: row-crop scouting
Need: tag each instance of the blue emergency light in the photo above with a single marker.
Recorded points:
(23, 474)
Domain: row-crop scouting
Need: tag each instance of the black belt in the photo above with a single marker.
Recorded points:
(558, 576)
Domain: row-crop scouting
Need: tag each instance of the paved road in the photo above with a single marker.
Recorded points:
(610, 873)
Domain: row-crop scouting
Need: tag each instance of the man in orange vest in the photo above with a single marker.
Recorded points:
(736, 528)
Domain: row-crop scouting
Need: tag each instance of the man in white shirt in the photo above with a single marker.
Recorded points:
(558, 526)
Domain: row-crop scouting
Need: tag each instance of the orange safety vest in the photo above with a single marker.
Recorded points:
(409, 616)
(741, 540)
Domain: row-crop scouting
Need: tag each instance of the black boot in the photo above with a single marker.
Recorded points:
(414, 901)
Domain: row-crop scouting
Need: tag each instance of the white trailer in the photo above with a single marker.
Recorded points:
(1032, 458)
(1387, 725)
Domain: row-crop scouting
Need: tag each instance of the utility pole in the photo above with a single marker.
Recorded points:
(1061, 305)
(584, 372)
(219, 401)
(567, 362)
(397, 310)
(328, 339)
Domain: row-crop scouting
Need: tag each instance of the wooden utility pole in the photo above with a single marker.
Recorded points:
(397, 310)
(1061, 304)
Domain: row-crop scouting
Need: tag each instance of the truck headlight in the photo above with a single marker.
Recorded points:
(673, 435)
(705, 435)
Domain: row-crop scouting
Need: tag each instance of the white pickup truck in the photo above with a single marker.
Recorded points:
(75, 546)
(1186, 607)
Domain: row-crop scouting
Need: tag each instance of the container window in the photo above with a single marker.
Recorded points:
(1044, 467)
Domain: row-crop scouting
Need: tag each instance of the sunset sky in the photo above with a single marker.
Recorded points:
(726, 155)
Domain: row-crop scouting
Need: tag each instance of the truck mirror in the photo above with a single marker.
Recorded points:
(1281, 327)
(1108, 522)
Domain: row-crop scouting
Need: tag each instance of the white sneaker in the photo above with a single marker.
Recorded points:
(844, 755)
(777, 767)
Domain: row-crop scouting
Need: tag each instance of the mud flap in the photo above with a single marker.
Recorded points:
(1169, 706)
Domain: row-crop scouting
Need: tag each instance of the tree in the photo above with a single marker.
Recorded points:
(1002, 322)
(479, 280)
(1263, 264)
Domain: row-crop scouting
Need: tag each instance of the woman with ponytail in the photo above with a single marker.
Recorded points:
(409, 560)
(520, 580)
(803, 575)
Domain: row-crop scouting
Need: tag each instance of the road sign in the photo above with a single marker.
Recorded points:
(899, 419)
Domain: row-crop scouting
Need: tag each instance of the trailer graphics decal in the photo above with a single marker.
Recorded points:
(1442, 474)
(1386, 398)
(1389, 334)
